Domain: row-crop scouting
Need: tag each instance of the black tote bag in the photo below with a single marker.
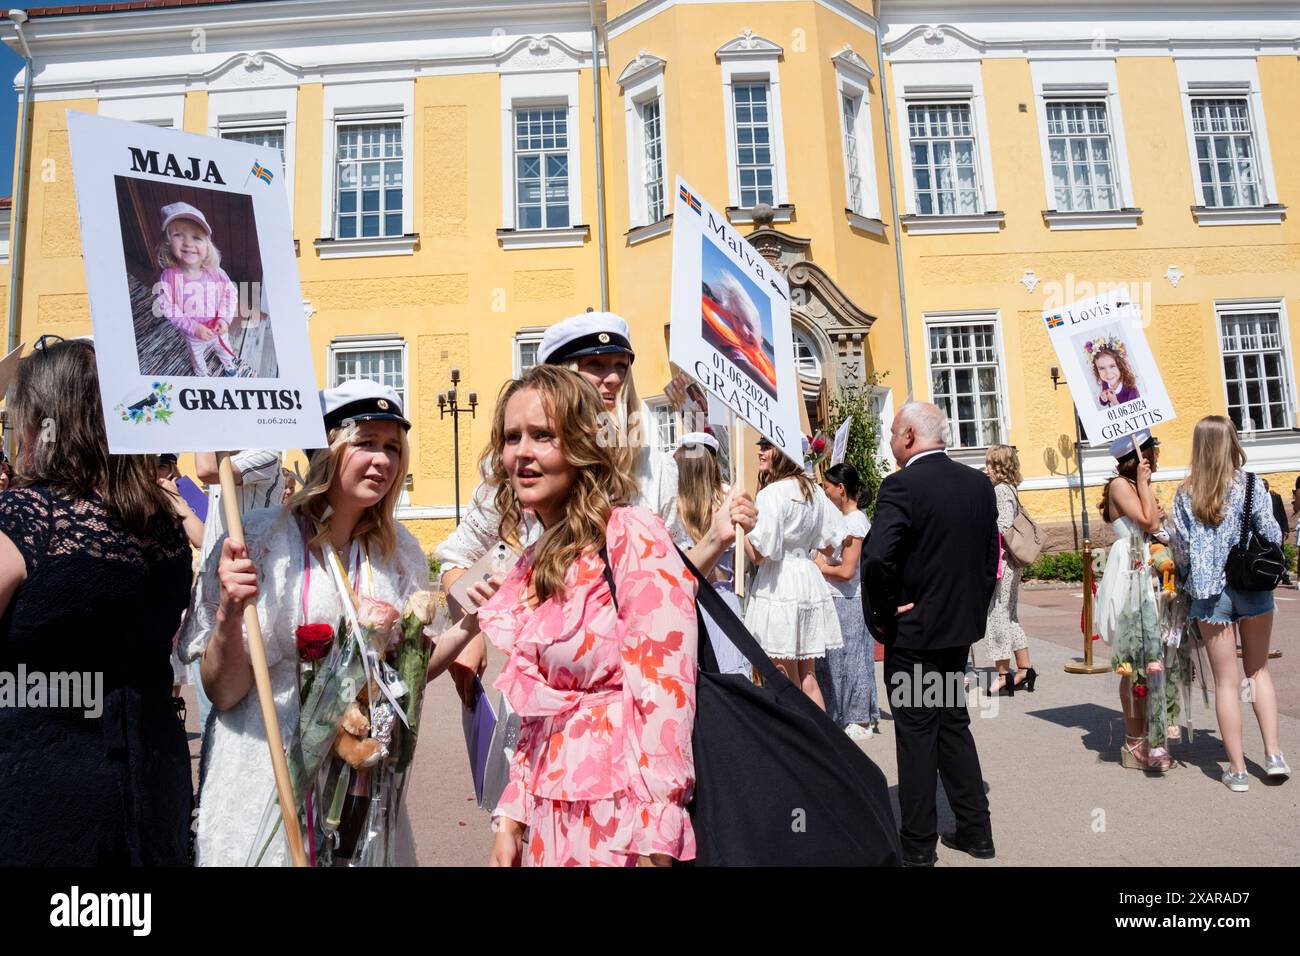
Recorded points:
(777, 783)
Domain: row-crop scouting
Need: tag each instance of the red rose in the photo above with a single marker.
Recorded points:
(819, 445)
(1139, 690)
(314, 641)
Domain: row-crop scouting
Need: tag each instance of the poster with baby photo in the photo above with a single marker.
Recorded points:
(200, 336)
(730, 327)
(1113, 376)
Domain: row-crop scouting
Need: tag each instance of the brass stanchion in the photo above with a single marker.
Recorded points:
(1086, 666)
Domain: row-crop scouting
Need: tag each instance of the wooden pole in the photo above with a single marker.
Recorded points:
(1085, 666)
(738, 481)
(262, 674)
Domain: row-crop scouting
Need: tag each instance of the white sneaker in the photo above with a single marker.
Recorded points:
(857, 731)
(1236, 782)
(1275, 766)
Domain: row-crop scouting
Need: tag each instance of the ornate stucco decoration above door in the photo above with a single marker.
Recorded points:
(818, 307)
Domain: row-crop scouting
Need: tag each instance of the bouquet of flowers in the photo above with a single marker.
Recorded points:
(816, 451)
(349, 756)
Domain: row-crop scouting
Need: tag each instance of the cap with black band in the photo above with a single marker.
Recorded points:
(361, 400)
(590, 333)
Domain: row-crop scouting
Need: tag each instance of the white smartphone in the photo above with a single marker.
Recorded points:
(499, 559)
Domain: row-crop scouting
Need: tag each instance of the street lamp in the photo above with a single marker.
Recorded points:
(1086, 666)
(448, 404)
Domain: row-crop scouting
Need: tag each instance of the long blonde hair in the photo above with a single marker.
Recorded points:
(1002, 465)
(1216, 457)
(699, 488)
(628, 422)
(601, 484)
(378, 524)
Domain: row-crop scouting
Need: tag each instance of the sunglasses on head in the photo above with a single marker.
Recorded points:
(45, 341)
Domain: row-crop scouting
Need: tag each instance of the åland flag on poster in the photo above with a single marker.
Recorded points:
(731, 322)
(200, 336)
(1108, 364)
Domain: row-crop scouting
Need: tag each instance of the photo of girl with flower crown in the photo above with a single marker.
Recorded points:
(1107, 360)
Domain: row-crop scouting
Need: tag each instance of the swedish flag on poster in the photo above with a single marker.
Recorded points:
(731, 322)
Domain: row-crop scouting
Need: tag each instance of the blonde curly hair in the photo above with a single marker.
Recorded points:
(1002, 465)
(601, 484)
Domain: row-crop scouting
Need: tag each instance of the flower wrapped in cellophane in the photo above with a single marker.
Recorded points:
(350, 753)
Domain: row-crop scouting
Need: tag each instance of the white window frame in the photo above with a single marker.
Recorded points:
(532, 90)
(642, 88)
(228, 112)
(371, 343)
(801, 337)
(1081, 81)
(654, 407)
(759, 66)
(1229, 79)
(1277, 306)
(167, 112)
(528, 336)
(851, 81)
(994, 318)
(361, 103)
(916, 83)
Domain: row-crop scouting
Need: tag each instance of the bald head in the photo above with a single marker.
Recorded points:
(918, 427)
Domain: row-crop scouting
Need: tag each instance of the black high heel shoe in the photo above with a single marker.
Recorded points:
(1008, 688)
(1031, 676)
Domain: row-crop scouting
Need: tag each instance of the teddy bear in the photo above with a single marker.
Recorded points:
(1162, 561)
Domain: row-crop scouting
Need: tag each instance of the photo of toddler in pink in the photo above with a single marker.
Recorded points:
(194, 293)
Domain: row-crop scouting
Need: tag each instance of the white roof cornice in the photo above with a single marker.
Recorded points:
(1089, 35)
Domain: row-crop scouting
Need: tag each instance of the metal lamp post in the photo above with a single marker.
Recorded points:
(449, 405)
(1085, 666)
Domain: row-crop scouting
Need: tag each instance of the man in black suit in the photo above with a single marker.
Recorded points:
(929, 570)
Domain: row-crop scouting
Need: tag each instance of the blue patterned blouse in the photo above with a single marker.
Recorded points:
(1205, 547)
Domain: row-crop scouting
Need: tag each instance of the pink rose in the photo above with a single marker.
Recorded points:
(1155, 667)
(380, 619)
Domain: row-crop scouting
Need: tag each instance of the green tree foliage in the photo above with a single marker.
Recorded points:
(864, 433)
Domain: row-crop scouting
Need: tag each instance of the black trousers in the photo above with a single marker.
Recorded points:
(932, 737)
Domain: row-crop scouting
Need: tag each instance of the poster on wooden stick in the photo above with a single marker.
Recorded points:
(200, 336)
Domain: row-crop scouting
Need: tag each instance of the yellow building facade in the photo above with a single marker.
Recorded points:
(929, 176)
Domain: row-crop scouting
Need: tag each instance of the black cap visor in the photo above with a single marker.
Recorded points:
(365, 410)
(597, 343)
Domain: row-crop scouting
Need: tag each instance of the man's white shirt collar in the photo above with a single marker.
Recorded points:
(932, 451)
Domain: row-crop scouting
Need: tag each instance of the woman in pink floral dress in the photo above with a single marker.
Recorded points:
(603, 771)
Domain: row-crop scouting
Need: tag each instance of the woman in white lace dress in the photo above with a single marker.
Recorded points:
(791, 608)
(347, 504)
(1003, 635)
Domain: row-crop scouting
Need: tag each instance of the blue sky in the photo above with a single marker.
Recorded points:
(10, 64)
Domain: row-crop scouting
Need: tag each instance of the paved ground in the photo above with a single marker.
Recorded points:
(1050, 761)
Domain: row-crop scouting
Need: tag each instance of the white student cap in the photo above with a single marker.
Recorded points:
(1122, 448)
(699, 438)
(361, 400)
(183, 210)
(589, 333)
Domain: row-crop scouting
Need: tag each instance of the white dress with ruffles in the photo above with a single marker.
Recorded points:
(791, 607)
(238, 780)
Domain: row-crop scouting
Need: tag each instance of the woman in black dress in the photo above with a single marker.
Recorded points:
(94, 575)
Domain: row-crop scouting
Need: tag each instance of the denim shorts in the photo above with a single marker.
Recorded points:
(1230, 605)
